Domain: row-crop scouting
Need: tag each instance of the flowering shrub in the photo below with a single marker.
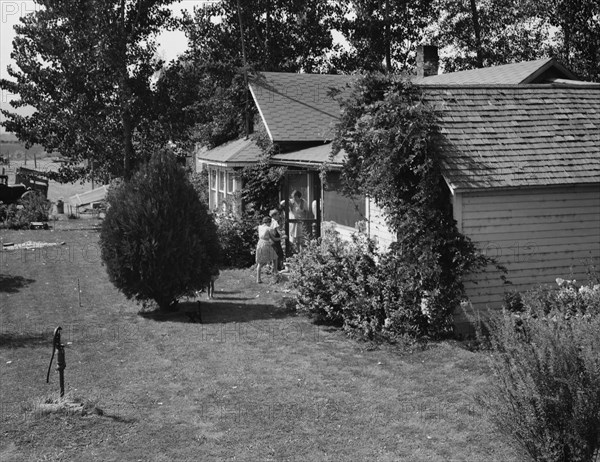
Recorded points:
(351, 284)
(238, 237)
(568, 299)
(334, 278)
(545, 392)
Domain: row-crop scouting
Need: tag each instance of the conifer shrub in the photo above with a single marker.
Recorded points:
(545, 390)
(158, 240)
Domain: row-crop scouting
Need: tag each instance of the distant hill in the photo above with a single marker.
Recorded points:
(8, 138)
(12, 148)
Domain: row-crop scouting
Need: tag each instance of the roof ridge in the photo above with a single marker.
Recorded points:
(516, 86)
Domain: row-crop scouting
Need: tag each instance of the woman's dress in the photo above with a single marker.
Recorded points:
(265, 253)
(298, 211)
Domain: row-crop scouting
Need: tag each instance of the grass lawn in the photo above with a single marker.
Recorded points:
(254, 382)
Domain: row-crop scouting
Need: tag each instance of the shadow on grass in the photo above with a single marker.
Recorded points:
(26, 339)
(120, 418)
(218, 312)
(12, 284)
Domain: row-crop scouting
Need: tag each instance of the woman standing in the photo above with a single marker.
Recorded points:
(276, 235)
(298, 211)
(265, 253)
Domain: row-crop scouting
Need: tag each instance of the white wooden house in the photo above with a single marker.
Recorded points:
(224, 164)
(523, 166)
(521, 147)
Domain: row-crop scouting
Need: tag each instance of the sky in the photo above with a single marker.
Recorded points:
(171, 44)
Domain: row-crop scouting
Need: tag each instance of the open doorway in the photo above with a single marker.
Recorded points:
(301, 202)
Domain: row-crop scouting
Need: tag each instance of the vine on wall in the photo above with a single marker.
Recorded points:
(389, 134)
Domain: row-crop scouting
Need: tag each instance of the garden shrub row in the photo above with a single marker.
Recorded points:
(545, 390)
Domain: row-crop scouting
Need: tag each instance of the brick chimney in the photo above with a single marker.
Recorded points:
(427, 60)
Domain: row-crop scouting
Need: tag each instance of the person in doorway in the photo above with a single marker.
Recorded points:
(265, 253)
(298, 210)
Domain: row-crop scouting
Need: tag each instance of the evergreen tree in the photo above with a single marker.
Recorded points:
(158, 240)
(204, 95)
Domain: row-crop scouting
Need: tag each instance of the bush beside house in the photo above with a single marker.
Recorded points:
(353, 285)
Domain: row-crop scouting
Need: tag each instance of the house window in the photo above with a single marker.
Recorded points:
(221, 181)
(230, 183)
(345, 211)
(213, 189)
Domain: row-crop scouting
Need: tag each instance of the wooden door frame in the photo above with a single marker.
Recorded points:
(315, 187)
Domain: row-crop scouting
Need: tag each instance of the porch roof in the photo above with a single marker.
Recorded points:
(313, 156)
(238, 153)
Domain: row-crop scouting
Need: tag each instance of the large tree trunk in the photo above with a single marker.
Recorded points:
(477, 29)
(125, 93)
(127, 144)
(388, 39)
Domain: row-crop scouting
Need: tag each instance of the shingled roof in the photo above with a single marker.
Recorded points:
(538, 71)
(519, 136)
(238, 153)
(493, 136)
(297, 107)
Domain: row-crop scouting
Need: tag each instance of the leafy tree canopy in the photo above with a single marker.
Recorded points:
(485, 33)
(86, 66)
(383, 34)
(205, 94)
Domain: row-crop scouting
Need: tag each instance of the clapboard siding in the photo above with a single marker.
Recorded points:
(377, 227)
(474, 222)
(518, 212)
(537, 234)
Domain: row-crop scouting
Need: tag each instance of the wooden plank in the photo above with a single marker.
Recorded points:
(540, 206)
(545, 246)
(457, 210)
(550, 225)
(539, 275)
(468, 214)
(591, 217)
(559, 235)
(533, 261)
(549, 194)
(95, 195)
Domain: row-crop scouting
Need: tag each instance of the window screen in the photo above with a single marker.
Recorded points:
(343, 210)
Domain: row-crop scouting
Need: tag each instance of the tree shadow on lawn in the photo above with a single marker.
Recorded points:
(218, 312)
(12, 284)
(25, 339)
